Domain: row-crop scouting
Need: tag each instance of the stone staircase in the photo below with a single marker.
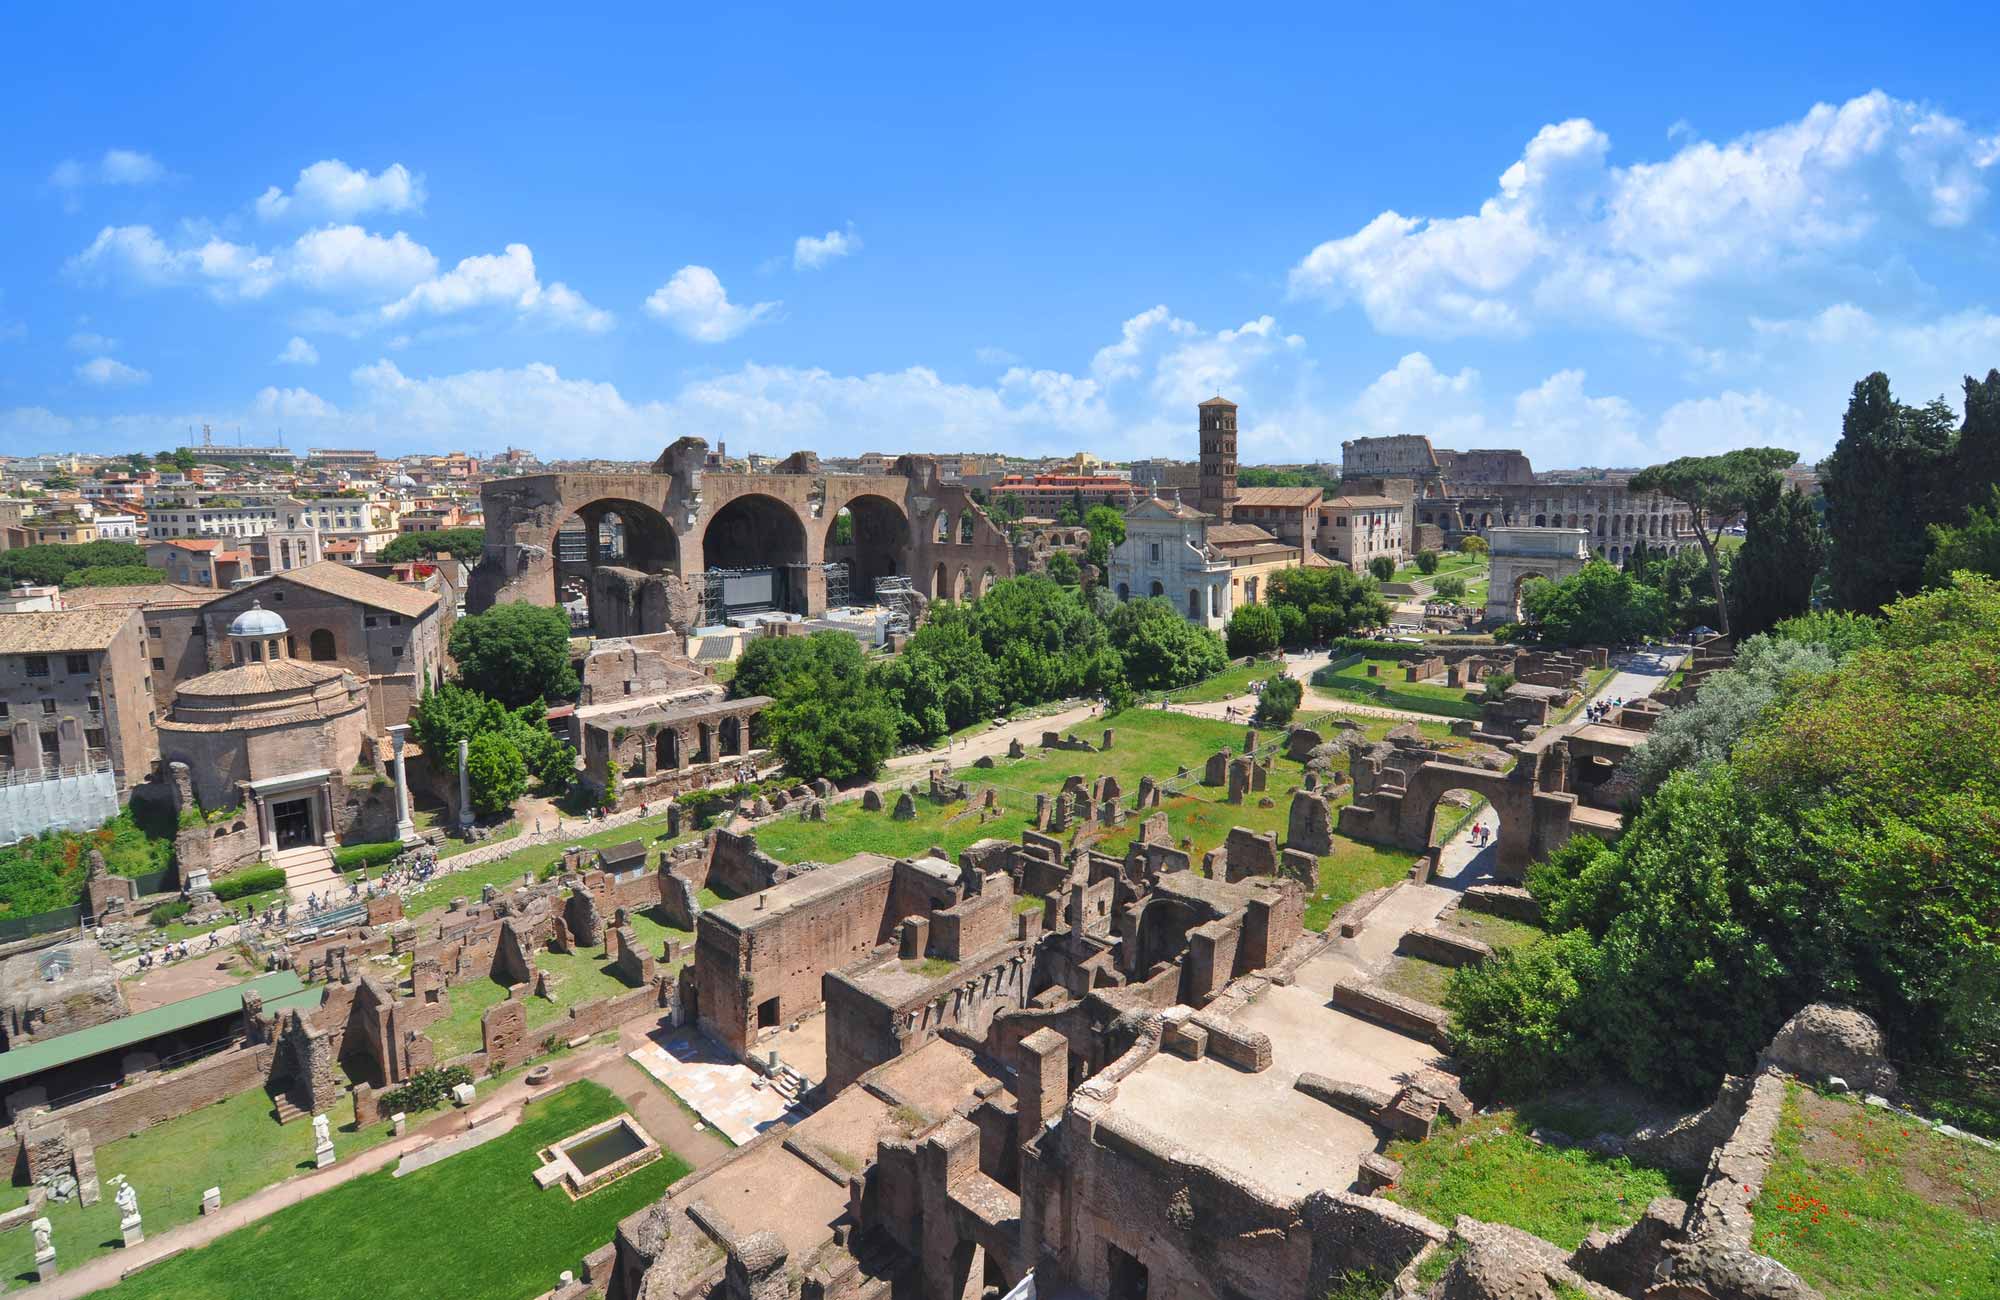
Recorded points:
(308, 870)
(286, 1111)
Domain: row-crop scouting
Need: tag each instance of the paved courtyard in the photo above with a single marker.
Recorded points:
(723, 1091)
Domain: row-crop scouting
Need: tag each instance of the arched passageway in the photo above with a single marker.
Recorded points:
(870, 534)
(763, 544)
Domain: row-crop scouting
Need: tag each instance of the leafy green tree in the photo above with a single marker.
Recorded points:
(829, 716)
(1334, 600)
(1681, 578)
(1727, 706)
(1784, 547)
(1838, 631)
(463, 544)
(180, 458)
(1517, 1017)
(1885, 483)
(515, 653)
(52, 563)
(1253, 630)
(497, 774)
(1044, 641)
(1064, 569)
(943, 679)
(1279, 700)
(448, 714)
(1107, 529)
(1162, 650)
(1975, 467)
(138, 462)
(843, 528)
(1715, 489)
(1451, 588)
(1294, 629)
(1472, 544)
(1382, 568)
(59, 482)
(113, 575)
(1427, 563)
(1599, 605)
(1973, 546)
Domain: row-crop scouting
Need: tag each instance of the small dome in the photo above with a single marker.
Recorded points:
(257, 621)
(402, 481)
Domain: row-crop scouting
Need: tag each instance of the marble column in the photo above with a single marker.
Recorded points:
(406, 828)
(464, 788)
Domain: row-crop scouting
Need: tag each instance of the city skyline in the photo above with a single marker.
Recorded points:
(917, 237)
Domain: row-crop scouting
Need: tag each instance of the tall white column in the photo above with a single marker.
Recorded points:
(464, 788)
(406, 828)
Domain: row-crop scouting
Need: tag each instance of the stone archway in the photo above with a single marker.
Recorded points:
(605, 552)
(1532, 822)
(1163, 931)
(763, 540)
(878, 540)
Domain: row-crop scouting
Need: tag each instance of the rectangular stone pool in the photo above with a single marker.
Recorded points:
(601, 1154)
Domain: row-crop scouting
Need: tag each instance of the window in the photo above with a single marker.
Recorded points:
(396, 652)
(76, 665)
(368, 621)
(3, 709)
(37, 665)
(96, 704)
(94, 738)
(278, 596)
(153, 631)
(395, 620)
(159, 665)
(6, 752)
(320, 645)
(48, 708)
(1156, 552)
(51, 747)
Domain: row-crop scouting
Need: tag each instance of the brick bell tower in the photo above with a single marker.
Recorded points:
(1218, 458)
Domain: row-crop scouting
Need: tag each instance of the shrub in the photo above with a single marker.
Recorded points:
(1496, 684)
(1279, 700)
(1451, 587)
(1427, 562)
(1382, 567)
(1472, 545)
(1515, 1016)
(426, 1090)
(1253, 630)
(349, 856)
(167, 913)
(496, 772)
(254, 881)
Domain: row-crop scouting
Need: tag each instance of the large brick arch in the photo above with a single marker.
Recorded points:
(1533, 821)
(679, 497)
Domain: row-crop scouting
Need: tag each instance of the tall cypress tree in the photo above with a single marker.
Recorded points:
(1975, 470)
(1784, 547)
(1885, 484)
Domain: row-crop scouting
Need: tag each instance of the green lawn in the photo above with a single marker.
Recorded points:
(1863, 1202)
(1448, 562)
(1487, 1168)
(472, 1227)
(507, 872)
(235, 1144)
(1226, 685)
(1389, 690)
(1148, 741)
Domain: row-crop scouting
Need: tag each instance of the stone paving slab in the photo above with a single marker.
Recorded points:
(721, 1088)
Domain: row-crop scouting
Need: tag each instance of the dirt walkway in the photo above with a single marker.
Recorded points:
(670, 1123)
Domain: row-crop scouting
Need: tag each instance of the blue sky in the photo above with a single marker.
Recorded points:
(1604, 236)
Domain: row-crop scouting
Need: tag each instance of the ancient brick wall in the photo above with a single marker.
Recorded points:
(139, 1106)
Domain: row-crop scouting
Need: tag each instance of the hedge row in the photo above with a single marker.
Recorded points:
(349, 856)
(254, 881)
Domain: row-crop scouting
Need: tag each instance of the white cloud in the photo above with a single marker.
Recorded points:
(117, 167)
(338, 260)
(1652, 246)
(104, 372)
(993, 356)
(85, 341)
(810, 253)
(1570, 427)
(298, 352)
(506, 279)
(697, 306)
(1416, 398)
(331, 189)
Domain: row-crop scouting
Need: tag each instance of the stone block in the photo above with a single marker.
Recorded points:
(906, 808)
(1378, 1171)
(211, 1200)
(1309, 824)
(871, 800)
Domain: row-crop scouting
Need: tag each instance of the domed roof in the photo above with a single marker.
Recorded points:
(402, 481)
(257, 621)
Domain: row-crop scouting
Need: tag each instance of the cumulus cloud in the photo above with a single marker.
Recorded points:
(330, 189)
(1570, 237)
(127, 167)
(337, 260)
(85, 341)
(809, 253)
(298, 352)
(696, 305)
(504, 279)
(105, 372)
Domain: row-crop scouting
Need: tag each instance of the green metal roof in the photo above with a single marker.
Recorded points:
(140, 1026)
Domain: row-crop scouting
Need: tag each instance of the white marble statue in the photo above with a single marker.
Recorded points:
(128, 1201)
(42, 1229)
(320, 1135)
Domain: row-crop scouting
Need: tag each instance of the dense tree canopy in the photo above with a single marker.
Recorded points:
(828, 717)
(1107, 529)
(1842, 851)
(1729, 702)
(1885, 484)
(497, 774)
(1784, 549)
(56, 563)
(464, 544)
(1160, 649)
(445, 716)
(1044, 641)
(1333, 601)
(1253, 630)
(1715, 488)
(515, 653)
(943, 679)
(1973, 546)
(113, 575)
(1599, 605)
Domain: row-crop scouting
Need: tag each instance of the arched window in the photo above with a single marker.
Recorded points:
(320, 645)
(1194, 604)
(1158, 590)
(1541, 521)
(1124, 592)
(944, 527)
(1215, 602)
(965, 528)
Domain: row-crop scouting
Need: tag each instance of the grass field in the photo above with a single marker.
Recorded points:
(1448, 562)
(1389, 690)
(1488, 1168)
(1152, 741)
(507, 872)
(1424, 980)
(1864, 1202)
(472, 1227)
(1231, 682)
(235, 1144)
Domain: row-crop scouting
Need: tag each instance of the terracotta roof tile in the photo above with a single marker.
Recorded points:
(68, 631)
